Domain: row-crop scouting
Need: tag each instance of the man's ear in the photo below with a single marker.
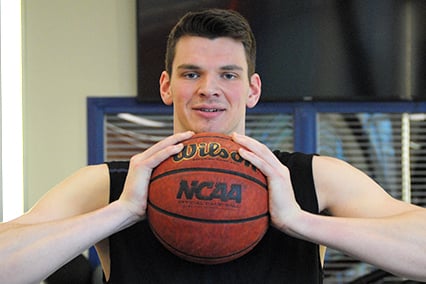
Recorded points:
(165, 92)
(255, 90)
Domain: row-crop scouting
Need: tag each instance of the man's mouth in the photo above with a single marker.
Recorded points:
(210, 109)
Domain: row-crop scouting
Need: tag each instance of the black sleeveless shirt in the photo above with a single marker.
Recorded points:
(137, 257)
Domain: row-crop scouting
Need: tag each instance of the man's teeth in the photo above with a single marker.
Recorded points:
(209, 109)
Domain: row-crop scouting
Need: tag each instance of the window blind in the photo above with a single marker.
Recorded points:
(390, 148)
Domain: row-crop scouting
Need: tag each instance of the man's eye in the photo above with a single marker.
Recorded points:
(191, 75)
(229, 76)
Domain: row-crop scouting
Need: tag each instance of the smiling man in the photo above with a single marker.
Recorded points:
(209, 85)
(210, 80)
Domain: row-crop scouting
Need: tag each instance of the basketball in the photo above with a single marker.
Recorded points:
(207, 204)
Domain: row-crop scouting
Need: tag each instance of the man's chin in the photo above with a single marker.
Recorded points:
(209, 129)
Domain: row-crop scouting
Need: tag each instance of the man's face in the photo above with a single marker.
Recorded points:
(209, 87)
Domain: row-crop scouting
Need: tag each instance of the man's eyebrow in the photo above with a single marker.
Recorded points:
(195, 67)
(231, 67)
(189, 67)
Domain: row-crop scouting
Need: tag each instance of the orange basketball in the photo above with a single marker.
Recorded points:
(207, 204)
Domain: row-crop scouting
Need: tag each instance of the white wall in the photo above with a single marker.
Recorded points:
(72, 49)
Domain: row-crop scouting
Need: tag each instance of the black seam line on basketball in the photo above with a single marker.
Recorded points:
(255, 180)
(201, 220)
(244, 250)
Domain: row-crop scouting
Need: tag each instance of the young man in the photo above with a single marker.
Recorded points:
(210, 80)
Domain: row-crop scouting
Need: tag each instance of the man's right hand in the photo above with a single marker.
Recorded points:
(135, 192)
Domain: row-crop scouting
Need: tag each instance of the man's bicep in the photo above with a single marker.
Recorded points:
(84, 191)
(348, 192)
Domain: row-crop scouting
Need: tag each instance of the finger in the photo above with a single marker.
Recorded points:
(256, 161)
(248, 142)
(169, 141)
(263, 153)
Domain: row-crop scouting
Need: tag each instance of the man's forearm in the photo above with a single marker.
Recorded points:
(31, 252)
(396, 244)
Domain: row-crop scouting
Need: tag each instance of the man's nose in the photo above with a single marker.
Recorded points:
(209, 86)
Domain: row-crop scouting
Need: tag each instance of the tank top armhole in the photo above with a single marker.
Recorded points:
(300, 167)
(117, 174)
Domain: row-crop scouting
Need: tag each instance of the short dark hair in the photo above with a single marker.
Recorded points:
(213, 23)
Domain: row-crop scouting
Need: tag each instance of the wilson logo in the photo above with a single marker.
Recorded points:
(208, 190)
(212, 149)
